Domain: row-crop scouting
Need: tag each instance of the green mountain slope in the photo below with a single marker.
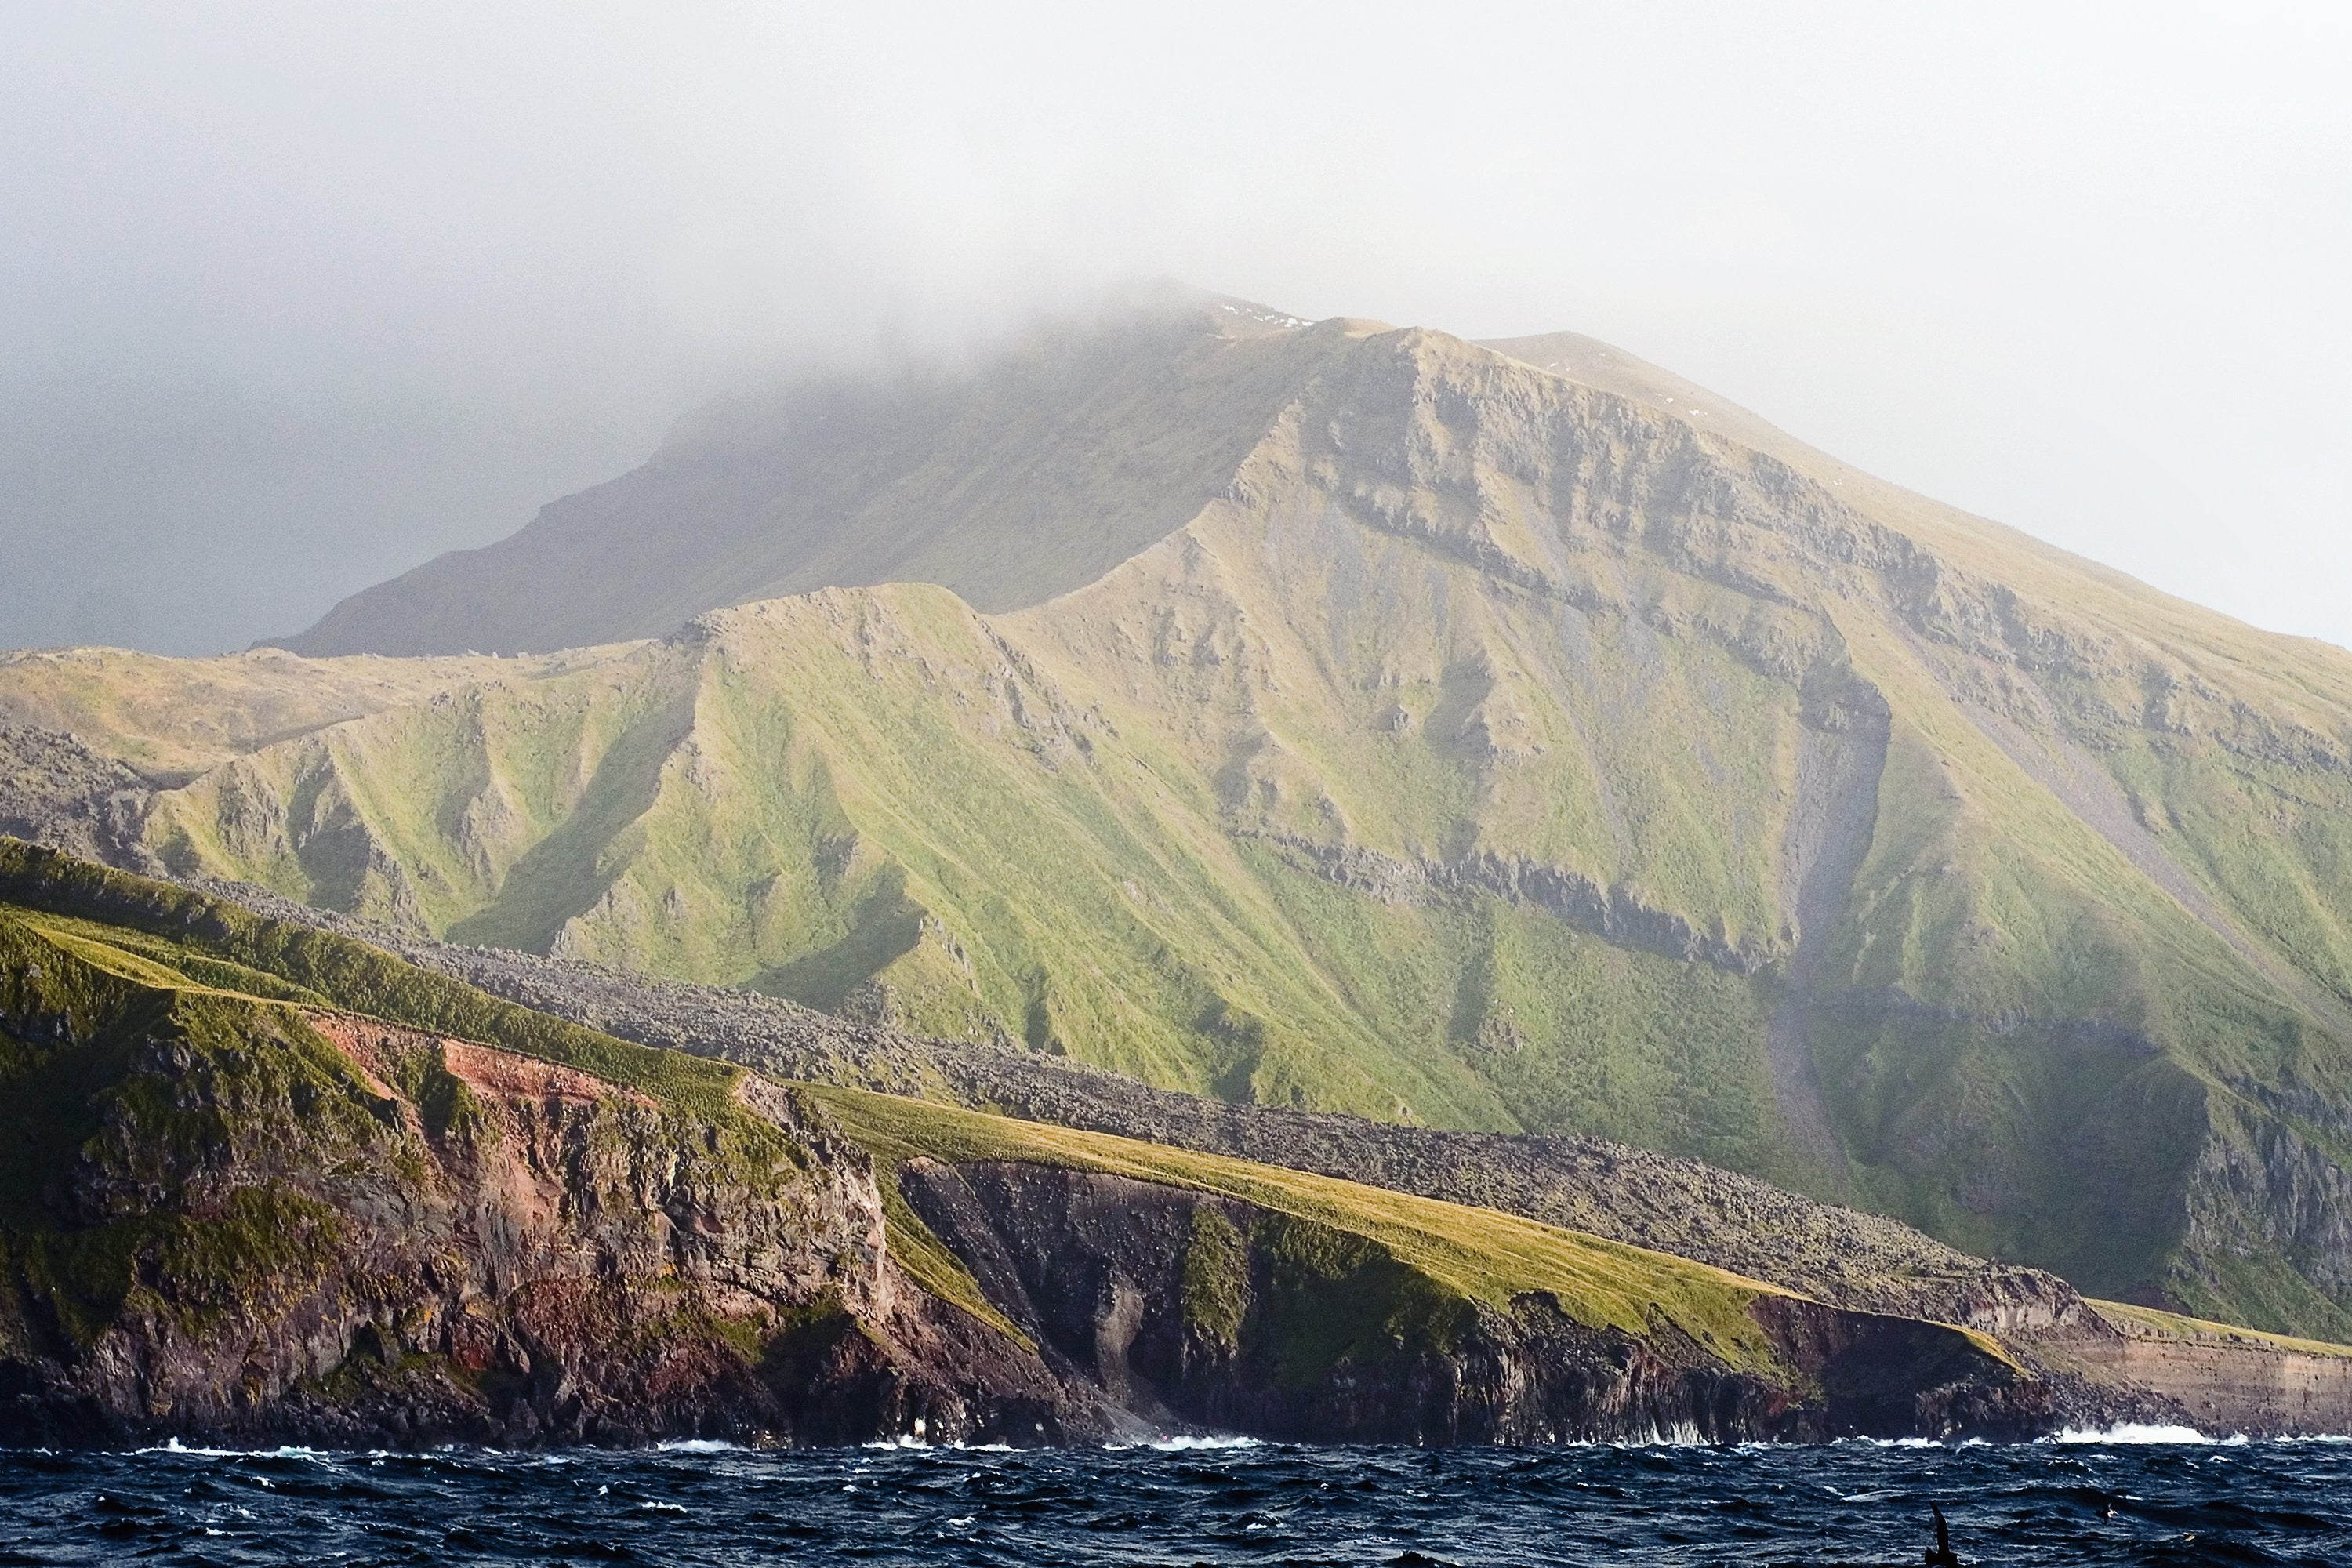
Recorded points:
(1500, 737)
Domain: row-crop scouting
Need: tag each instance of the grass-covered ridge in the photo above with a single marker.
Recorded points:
(160, 938)
(1477, 1254)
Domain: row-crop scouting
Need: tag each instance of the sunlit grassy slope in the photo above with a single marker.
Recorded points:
(173, 718)
(1508, 739)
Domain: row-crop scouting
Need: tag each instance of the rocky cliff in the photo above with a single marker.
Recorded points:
(254, 1184)
(245, 1222)
(1197, 1310)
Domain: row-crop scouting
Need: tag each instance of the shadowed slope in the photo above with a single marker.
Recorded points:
(1054, 463)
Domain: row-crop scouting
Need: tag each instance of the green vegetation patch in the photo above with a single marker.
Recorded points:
(1216, 1278)
(263, 1248)
(155, 936)
(1337, 1299)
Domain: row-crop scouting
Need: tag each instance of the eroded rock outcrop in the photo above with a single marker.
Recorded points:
(290, 1223)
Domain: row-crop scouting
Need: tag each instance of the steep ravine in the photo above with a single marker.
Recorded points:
(1840, 756)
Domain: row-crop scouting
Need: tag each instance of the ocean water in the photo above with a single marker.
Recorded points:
(2144, 1496)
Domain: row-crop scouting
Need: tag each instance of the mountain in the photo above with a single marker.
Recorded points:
(1506, 737)
(263, 1181)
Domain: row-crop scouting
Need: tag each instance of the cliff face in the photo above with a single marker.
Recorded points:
(230, 1208)
(1201, 1310)
(304, 1224)
(2221, 1380)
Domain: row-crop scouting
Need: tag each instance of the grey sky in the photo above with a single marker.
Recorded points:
(293, 297)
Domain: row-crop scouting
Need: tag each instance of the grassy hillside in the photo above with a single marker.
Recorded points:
(1506, 738)
(173, 718)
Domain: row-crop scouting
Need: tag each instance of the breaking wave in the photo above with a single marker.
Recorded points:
(2133, 1432)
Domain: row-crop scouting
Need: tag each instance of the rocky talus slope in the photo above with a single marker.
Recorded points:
(1498, 737)
(262, 1180)
(65, 794)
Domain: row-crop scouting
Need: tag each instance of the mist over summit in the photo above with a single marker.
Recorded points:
(1055, 460)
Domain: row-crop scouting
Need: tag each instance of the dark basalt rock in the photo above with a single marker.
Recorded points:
(295, 1224)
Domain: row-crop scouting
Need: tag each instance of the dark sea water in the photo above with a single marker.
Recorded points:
(2073, 1503)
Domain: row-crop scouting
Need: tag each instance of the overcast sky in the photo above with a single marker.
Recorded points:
(293, 297)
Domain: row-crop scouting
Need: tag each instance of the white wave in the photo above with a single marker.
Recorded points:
(1180, 1445)
(698, 1446)
(1896, 1442)
(663, 1507)
(173, 1446)
(1184, 1445)
(2138, 1432)
(924, 1446)
(1681, 1435)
